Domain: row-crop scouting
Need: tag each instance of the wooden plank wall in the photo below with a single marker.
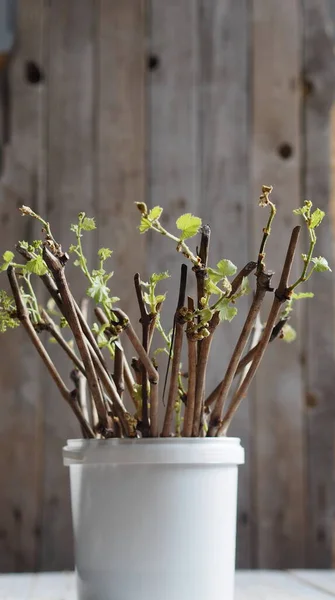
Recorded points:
(192, 105)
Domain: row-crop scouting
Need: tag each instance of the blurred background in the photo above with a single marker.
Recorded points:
(191, 105)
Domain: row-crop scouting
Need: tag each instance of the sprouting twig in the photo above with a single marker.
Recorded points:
(153, 376)
(128, 377)
(145, 322)
(263, 286)
(201, 270)
(192, 373)
(177, 347)
(54, 293)
(85, 398)
(23, 316)
(55, 332)
(245, 272)
(152, 325)
(127, 327)
(201, 374)
(57, 269)
(264, 200)
(281, 295)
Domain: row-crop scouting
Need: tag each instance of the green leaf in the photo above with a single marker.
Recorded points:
(147, 298)
(75, 229)
(24, 244)
(189, 225)
(302, 295)
(316, 218)
(155, 277)
(289, 334)
(36, 266)
(37, 244)
(205, 315)
(211, 288)
(300, 211)
(113, 300)
(104, 253)
(227, 312)
(226, 268)
(98, 290)
(8, 256)
(145, 225)
(88, 224)
(73, 248)
(245, 287)
(321, 264)
(304, 210)
(155, 213)
(213, 275)
(160, 298)
(7, 310)
(63, 323)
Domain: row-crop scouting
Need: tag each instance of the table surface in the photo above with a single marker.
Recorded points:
(250, 585)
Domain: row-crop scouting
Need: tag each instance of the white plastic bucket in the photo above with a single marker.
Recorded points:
(154, 519)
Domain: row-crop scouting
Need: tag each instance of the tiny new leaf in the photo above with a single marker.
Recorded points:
(98, 290)
(321, 264)
(104, 253)
(8, 256)
(144, 225)
(88, 224)
(189, 225)
(227, 312)
(155, 277)
(301, 295)
(36, 266)
(316, 218)
(289, 334)
(155, 213)
(226, 267)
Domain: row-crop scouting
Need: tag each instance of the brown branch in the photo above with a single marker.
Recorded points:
(57, 269)
(192, 372)
(124, 322)
(146, 362)
(201, 271)
(54, 293)
(244, 362)
(128, 377)
(177, 347)
(145, 322)
(201, 374)
(23, 316)
(263, 286)
(55, 332)
(118, 375)
(281, 295)
(153, 324)
(245, 272)
(77, 377)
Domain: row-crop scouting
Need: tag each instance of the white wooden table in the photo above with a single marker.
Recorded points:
(250, 585)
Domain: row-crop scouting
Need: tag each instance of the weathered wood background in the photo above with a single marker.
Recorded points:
(190, 104)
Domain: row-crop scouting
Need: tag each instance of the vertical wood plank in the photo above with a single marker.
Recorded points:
(121, 141)
(69, 147)
(276, 160)
(223, 142)
(20, 430)
(319, 67)
(173, 168)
